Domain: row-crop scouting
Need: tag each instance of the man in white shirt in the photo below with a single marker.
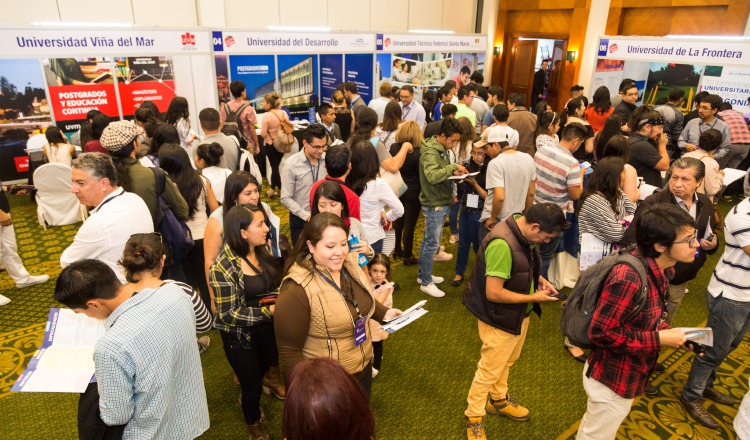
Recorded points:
(728, 301)
(411, 109)
(378, 104)
(117, 214)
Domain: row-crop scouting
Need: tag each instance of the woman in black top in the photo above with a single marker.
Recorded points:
(243, 277)
(472, 204)
(410, 133)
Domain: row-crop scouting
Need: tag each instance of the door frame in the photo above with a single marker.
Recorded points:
(508, 41)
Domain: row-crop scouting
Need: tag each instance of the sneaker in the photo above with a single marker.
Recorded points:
(507, 407)
(258, 431)
(442, 256)
(435, 279)
(203, 343)
(4, 300)
(432, 290)
(37, 279)
(475, 429)
(454, 239)
(375, 372)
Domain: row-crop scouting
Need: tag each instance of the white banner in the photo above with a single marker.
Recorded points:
(731, 83)
(668, 50)
(430, 43)
(239, 42)
(93, 42)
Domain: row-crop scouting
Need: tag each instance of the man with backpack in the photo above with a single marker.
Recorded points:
(627, 327)
(238, 118)
(210, 120)
(505, 287)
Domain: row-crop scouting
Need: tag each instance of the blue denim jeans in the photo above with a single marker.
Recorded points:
(548, 251)
(434, 219)
(453, 217)
(468, 236)
(730, 321)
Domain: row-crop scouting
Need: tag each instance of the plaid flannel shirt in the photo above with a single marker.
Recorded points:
(626, 352)
(232, 313)
(737, 125)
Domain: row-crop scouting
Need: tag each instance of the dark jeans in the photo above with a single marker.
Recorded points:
(453, 217)
(194, 271)
(365, 380)
(468, 236)
(404, 226)
(90, 424)
(260, 158)
(548, 251)
(378, 245)
(730, 321)
(274, 158)
(296, 225)
(483, 231)
(250, 364)
(377, 348)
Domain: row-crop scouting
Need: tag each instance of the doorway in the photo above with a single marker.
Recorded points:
(527, 54)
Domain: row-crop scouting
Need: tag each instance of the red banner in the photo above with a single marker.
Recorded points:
(134, 93)
(72, 102)
(22, 163)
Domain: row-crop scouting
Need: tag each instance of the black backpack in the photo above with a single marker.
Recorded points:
(175, 232)
(232, 125)
(579, 308)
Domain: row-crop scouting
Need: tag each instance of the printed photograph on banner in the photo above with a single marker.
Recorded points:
(298, 83)
(77, 86)
(637, 71)
(474, 61)
(331, 75)
(729, 82)
(665, 77)
(608, 73)
(24, 114)
(259, 75)
(406, 69)
(141, 79)
(222, 78)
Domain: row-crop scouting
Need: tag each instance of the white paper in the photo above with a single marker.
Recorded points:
(463, 176)
(402, 321)
(646, 190)
(472, 200)
(411, 309)
(701, 335)
(592, 250)
(732, 175)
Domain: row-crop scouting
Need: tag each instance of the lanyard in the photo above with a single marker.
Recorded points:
(403, 116)
(99, 208)
(314, 172)
(352, 300)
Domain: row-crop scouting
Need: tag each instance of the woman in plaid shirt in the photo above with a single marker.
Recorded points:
(627, 349)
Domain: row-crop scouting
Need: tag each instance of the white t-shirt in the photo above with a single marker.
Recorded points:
(512, 171)
(218, 177)
(377, 195)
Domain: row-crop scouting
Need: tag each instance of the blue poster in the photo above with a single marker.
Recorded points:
(359, 71)
(257, 72)
(298, 81)
(331, 75)
(383, 66)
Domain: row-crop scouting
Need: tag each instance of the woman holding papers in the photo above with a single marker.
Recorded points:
(601, 213)
(243, 278)
(325, 301)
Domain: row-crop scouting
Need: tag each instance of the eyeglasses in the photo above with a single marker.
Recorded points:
(404, 96)
(691, 241)
(319, 147)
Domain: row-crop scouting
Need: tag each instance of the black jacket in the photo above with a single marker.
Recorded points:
(704, 216)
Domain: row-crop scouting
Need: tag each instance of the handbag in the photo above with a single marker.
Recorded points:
(284, 139)
(394, 180)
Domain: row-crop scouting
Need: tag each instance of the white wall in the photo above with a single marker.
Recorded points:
(349, 15)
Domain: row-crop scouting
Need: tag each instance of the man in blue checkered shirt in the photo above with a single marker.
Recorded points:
(147, 364)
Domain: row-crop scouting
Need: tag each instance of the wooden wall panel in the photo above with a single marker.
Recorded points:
(547, 21)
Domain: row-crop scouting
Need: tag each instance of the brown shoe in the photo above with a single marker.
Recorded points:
(716, 396)
(697, 411)
(272, 384)
(258, 432)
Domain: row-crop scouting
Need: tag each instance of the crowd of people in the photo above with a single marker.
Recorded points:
(189, 246)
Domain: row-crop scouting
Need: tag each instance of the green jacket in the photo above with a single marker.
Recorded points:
(143, 183)
(434, 169)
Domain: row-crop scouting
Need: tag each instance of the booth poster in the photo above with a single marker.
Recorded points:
(148, 78)
(331, 75)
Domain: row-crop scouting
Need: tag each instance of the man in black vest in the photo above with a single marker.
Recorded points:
(505, 287)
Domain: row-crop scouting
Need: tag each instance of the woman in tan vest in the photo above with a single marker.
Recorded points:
(325, 301)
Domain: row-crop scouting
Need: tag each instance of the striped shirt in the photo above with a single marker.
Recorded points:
(731, 277)
(597, 217)
(204, 322)
(148, 368)
(556, 170)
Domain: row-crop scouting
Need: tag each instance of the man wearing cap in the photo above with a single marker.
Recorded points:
(506, 165)
(116, 216)
(121, 140)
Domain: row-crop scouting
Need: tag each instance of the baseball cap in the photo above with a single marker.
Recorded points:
(492, 135)
(119, 134)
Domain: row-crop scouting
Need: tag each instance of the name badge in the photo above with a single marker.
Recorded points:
(472, 200)
(360, 334)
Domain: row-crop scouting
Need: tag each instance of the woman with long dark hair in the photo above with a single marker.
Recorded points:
(618, 146)
(207, 160)
(374, 194)
(344, 115)
(58, 149)
(386, 131)
(574, 112)
(243, 277)
(145, 119)
(162, 134)
(330, 197)
(547, 126)
(611, 129)
(367, 123)
(98, 124)
(178, 115)
(199, 196)
(323, 278)
(600, 109)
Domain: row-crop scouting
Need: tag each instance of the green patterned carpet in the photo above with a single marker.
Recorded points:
(421, 390)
